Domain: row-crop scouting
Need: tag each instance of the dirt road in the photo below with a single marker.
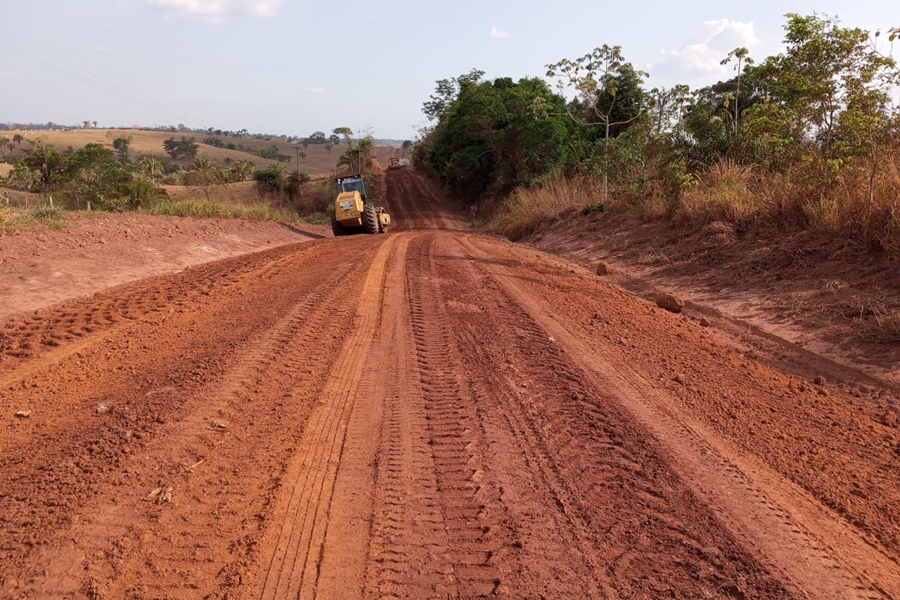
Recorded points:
(424, 414)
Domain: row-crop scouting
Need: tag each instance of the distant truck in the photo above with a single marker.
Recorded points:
(353, 213)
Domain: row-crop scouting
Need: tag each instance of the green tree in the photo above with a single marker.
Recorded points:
(204, 173)
(120, 144)
(347, 134)
(823, 69)
(609, 93)
(46, 161)
(150, 167)
(17, 138)
(742, 55)
(496, 135)
(181, 149)
(92, 177)
(243, 169)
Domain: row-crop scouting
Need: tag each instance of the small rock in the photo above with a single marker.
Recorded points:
(820, 380)
(704, 322)
(219, 425)
(102, 409)
(670, 302)
(679, 378)
(889, 419)
(23, 414)
(604, 268)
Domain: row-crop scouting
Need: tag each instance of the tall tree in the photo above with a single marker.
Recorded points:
(601, 80)
(742, 55)
(347, 133)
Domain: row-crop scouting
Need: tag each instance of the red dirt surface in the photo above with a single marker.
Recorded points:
(424, 414)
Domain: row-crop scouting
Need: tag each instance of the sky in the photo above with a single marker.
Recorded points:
(293, 67)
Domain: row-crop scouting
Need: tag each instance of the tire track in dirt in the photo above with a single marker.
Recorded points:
(790, 533)
(270, 373)
(295, 548)
(116, 447)
(405, 203)
(614, 519)
(432, 535)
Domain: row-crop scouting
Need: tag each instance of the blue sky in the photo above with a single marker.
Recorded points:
(297, 66)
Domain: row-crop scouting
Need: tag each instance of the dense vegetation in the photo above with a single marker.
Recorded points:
(804, 139)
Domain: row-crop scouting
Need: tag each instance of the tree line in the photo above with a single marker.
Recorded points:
(816, 119)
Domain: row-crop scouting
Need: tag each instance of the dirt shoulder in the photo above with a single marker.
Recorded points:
(810, 298)
(42, 267)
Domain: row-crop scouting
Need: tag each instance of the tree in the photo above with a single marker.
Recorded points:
(316, 137)
(334, 140)
(243, 169)
(823, 69)
(347, 133)
(120, 144)
(447, 91)
(490, 139)
(184, 148)
(95, 124)
(17, 138)
(46, 161)
(743, 57)
(87, 124)
(150, 167)
(328, 147)
(92, 176)
(273, 179)
(204, 173)
(601, 79)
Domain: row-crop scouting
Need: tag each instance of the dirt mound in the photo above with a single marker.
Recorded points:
(41, 267)
(821, 292)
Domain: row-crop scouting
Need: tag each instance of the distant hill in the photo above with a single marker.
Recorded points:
(150, 142)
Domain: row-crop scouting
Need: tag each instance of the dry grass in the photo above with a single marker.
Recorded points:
(527, 208)
(724, 193)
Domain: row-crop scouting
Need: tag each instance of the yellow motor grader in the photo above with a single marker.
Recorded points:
(353, 213)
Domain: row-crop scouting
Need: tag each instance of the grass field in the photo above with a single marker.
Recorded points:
(318, 159)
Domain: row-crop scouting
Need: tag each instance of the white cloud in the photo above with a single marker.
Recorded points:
(216, 11)
(315, 90)
(721, 36)
(496, 33)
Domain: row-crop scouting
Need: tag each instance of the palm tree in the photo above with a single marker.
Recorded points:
(743, 58)
(243, 169)
(204, 173)
(150, 167)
